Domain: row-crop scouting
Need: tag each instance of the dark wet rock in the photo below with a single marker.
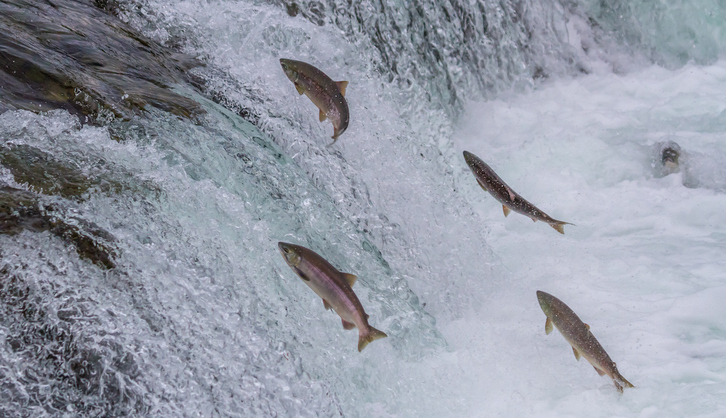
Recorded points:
(48, 174)
(100, 67)
(42, 172)
(21, 210)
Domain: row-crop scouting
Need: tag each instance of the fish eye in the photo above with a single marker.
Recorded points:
(286, 250)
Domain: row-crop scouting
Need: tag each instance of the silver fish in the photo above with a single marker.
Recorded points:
(510, 200)
(578, 334)
(334, 287)
(326, 94)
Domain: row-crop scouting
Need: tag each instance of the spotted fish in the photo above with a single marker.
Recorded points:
(510, 200)
(334, 287)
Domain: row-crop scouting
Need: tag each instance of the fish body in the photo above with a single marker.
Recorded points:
(510, 200)
(333, 287)
(578, 334)
(326, 94)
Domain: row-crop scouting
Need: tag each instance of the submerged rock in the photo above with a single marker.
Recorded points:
(21, 210)
(42, 172)
(63, 366)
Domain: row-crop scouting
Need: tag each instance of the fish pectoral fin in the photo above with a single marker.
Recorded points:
(349, 278)
(512, 195)
(506, 211)
(600, 372)
(577, 353)
(482, 185)
(548, 326)
(300, 89)
(327, 305)
(323, 116)
(342, 85)
(347, 325)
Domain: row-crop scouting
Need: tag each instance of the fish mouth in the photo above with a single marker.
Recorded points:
(469, 158)
(544, 299)
(284, 249)
(285, 64)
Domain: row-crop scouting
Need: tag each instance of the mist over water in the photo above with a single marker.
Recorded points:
(197, 313)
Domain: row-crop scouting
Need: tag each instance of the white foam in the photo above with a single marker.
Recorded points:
(645, 265)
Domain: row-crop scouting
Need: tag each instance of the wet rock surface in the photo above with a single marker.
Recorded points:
(97, 69)
(44, 173)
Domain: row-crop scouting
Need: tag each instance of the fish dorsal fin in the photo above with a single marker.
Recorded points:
(367, 317)
(323, 116)
(600, 372)
(482, 185)
(577, 353)
(349, 278)
(506, 211)
(548, 326)
(342, 85)
(327, 305)
(347, 325)
(587, 326)
(300, 89)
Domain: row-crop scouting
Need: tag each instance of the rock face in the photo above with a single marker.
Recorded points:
(99, 68)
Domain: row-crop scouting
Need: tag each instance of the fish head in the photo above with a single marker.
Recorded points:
(291, 253)
(545, 302)
(470, 159)
(290, 69)
(669, 157)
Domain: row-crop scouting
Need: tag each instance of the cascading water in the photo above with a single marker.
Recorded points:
(139, 270)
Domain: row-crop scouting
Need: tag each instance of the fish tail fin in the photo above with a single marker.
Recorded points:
(625, 382)
(371, 335)
(337, 131)
(336, 134)
(559, 226)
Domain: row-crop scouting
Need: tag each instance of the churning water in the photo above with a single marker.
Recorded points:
(139, 269)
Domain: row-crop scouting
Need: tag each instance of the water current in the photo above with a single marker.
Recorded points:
(154, 153)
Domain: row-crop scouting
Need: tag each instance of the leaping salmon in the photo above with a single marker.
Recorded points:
(326, 94)
(578, 334)
(510, 200)
(334, 287)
